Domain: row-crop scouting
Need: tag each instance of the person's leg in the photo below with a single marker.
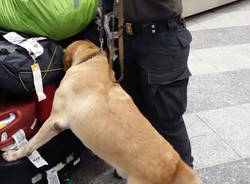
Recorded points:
(164, 78)
(164, 106)
(131, 80)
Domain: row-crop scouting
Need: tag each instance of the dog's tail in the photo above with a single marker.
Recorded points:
(185, 175)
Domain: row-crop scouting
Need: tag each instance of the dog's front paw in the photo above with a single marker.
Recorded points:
(11, 155)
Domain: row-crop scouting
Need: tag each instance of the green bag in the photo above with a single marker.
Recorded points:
(56, 19)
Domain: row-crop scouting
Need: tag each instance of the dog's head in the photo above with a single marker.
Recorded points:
(78, 52)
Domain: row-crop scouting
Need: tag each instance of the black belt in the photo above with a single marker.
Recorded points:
(174, 24)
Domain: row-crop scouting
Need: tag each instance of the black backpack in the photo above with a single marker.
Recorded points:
(15, 66)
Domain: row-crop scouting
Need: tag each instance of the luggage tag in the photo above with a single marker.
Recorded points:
(35, 158)
(7, 121)
(52, 176)
(14, 38)
(19, 138)
(35, 50)
(38, 82)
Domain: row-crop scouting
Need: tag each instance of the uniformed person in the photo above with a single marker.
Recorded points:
(156, 49)
(157, 44)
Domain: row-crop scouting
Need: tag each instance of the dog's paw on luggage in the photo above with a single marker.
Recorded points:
(10, 155)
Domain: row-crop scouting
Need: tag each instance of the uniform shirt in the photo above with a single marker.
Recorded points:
(141, 11)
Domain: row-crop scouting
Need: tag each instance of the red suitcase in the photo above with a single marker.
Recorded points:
(16, 114)
(63, 150)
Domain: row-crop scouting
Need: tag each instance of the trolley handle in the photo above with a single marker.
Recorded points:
(4, 123)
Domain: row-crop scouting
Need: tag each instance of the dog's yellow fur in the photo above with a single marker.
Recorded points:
(103, 116)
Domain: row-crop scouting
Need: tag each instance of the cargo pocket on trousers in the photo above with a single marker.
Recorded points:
(184, 37)
(169, 98)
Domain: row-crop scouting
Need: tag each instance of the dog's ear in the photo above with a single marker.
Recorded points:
(67, 60)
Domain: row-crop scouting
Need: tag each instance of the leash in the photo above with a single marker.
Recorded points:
(120, 40)
(112, 37)
(101, 27)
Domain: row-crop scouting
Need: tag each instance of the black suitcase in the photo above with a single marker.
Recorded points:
(63, 150)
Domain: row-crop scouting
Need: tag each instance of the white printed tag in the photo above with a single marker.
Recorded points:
(37, 160)
(37, 76)
(33, 47)
(52, 176)
(31, 44)
(35, 157)
(14, 38)
(20, 138)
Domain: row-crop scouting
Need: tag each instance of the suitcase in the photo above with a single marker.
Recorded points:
(16, 114)
(62, 151)
(25, 113)
(15, 65)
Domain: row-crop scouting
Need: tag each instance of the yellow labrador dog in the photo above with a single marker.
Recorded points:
(103, 116)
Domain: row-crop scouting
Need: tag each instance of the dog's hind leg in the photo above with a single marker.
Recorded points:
(49, 129)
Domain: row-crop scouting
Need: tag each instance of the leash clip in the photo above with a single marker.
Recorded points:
(101, 40)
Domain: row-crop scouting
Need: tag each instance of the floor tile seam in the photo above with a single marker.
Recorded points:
(195, 23)
(193, 50)
(200, 136)
(211, 28)
(222, 163)
(201, 60)
(197, 112)
(217, 164)
(196, 20)
(219, 136)
(219, 73)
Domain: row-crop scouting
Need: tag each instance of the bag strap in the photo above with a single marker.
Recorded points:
(120, 39)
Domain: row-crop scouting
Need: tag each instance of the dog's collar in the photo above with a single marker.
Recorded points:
(96, 54)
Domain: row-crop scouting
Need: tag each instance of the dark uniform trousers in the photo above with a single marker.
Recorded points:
(156, 76)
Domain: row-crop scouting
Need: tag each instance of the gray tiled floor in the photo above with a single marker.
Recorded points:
(213, 91)
(210, 38)
(196, 126)
(210, 150)
(220, 59)
(232, 124)
(230, 173)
